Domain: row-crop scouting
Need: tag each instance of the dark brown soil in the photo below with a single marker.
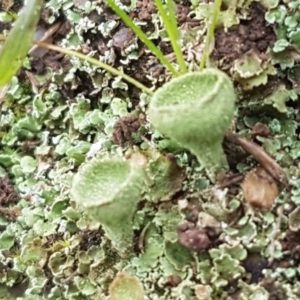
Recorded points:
(8, 195)
(251, 34)
(11, 5)
(145, 9)
(90, 238)
(124, 128)
(255, 264)
(292, 242)
(4, 26)
(276, 292)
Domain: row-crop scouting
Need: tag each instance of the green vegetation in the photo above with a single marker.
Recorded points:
(195, 110)
(122, 167)
(18, 42)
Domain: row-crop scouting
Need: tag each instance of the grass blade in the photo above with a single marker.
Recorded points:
(210, 33)
(19, 40)
(170, 23)
(143, 37)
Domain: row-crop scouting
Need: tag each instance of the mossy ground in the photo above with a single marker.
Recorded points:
(59, 111)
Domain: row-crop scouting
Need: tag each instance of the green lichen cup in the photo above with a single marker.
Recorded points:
(195, 110)
(108, 191)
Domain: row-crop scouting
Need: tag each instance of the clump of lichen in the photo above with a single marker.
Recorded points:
(224, 249)
(286, 18)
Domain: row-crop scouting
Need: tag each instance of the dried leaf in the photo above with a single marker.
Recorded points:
(260, 189)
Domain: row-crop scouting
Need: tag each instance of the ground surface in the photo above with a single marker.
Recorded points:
(230, 240)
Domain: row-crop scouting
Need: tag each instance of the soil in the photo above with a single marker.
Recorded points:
(4, 26)
(125, 127)
(8, 194)
(90, 238)
(254, 264)
(252, 33)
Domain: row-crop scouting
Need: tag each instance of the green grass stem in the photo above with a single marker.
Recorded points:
(98, 63)
(143, 37)
(210, 34)
(170, 23)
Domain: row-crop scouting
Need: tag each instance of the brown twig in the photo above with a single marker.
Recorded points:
(266, 161)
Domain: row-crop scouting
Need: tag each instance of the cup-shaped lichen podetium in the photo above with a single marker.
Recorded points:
(108, 192)
(195, 110)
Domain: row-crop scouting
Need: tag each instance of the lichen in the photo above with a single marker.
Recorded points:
(189, 238)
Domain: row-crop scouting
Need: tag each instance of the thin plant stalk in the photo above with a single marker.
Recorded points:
(96, 62)
(210, 34)
(143, 37)
(170, 23)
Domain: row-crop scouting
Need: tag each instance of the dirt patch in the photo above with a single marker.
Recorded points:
(9, 5)
(251, 34)
(89, 239)
(13, 5)
(274, 288)
(8, 195)
(145, 9)
(124, 128)
(51, 240)
(292, 243)
(254, 265)
(50, 284)
(4, 26)
(53, 60)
